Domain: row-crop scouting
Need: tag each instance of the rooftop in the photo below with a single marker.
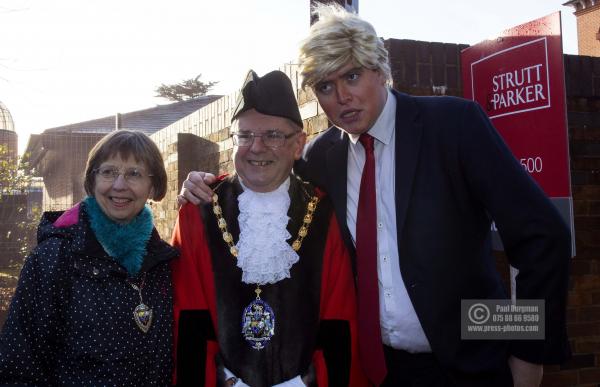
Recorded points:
(148, 120)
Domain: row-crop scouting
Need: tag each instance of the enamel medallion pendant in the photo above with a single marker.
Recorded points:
(258, 318)
(258, 323)
(142, 315)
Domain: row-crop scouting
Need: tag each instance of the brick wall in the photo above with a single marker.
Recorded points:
(63, 176)
(588, 26)
(199, 141)
(425, 68)
(582, 76)
(188, 153)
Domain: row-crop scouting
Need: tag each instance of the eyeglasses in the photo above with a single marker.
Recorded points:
(131, 175)
(272, 138)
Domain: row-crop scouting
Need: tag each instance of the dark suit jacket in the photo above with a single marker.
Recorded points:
(454, 175)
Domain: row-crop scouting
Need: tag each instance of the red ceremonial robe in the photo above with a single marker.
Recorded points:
(315, 309)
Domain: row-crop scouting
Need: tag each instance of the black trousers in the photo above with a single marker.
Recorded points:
(413, 370)
(423, 370)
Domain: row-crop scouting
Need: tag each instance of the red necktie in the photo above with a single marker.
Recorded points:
(369, 330)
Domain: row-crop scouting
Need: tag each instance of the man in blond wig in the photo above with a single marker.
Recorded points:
(416, 183)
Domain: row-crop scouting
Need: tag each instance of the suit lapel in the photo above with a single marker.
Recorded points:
(337, 165)
(409, 130)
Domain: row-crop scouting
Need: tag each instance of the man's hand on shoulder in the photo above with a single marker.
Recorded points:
(195, 188)
(525, 374)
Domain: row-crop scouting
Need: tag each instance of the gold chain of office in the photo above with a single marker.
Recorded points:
(302, 232)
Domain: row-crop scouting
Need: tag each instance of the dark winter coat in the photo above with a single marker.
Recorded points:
(71, 320)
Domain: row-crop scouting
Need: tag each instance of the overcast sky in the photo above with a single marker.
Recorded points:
(66, 61)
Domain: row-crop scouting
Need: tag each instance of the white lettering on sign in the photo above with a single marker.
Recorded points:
(518, 87)
(532, 164)
(522, 87)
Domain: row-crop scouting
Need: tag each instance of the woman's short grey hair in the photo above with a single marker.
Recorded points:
(336, 39)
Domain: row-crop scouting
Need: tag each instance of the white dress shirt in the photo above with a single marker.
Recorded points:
(400, 327)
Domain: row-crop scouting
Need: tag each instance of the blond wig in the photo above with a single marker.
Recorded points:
(336, 39)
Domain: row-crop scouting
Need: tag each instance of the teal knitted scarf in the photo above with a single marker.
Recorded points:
(125, 243)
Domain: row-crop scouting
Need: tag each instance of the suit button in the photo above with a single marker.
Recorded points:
(95, 271)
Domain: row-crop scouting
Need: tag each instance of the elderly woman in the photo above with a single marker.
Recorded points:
(93, 306)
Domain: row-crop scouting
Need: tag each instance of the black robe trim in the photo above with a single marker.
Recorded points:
(334, 341)
(195, 329)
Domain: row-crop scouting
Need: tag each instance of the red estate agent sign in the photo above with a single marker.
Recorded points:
(518, 78)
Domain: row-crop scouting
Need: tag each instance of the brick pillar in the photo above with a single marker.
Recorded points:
(188, 153)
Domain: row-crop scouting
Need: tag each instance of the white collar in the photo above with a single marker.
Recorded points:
(263, 252)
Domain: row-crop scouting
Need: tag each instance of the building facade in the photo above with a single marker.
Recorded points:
(58, 155)
(587, 13)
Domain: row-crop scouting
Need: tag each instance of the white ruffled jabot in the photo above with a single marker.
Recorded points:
(264, 254)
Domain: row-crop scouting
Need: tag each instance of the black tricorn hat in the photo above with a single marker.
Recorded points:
(271, 94)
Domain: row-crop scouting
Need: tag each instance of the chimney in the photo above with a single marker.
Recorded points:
(587, 13)
(117, 121)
